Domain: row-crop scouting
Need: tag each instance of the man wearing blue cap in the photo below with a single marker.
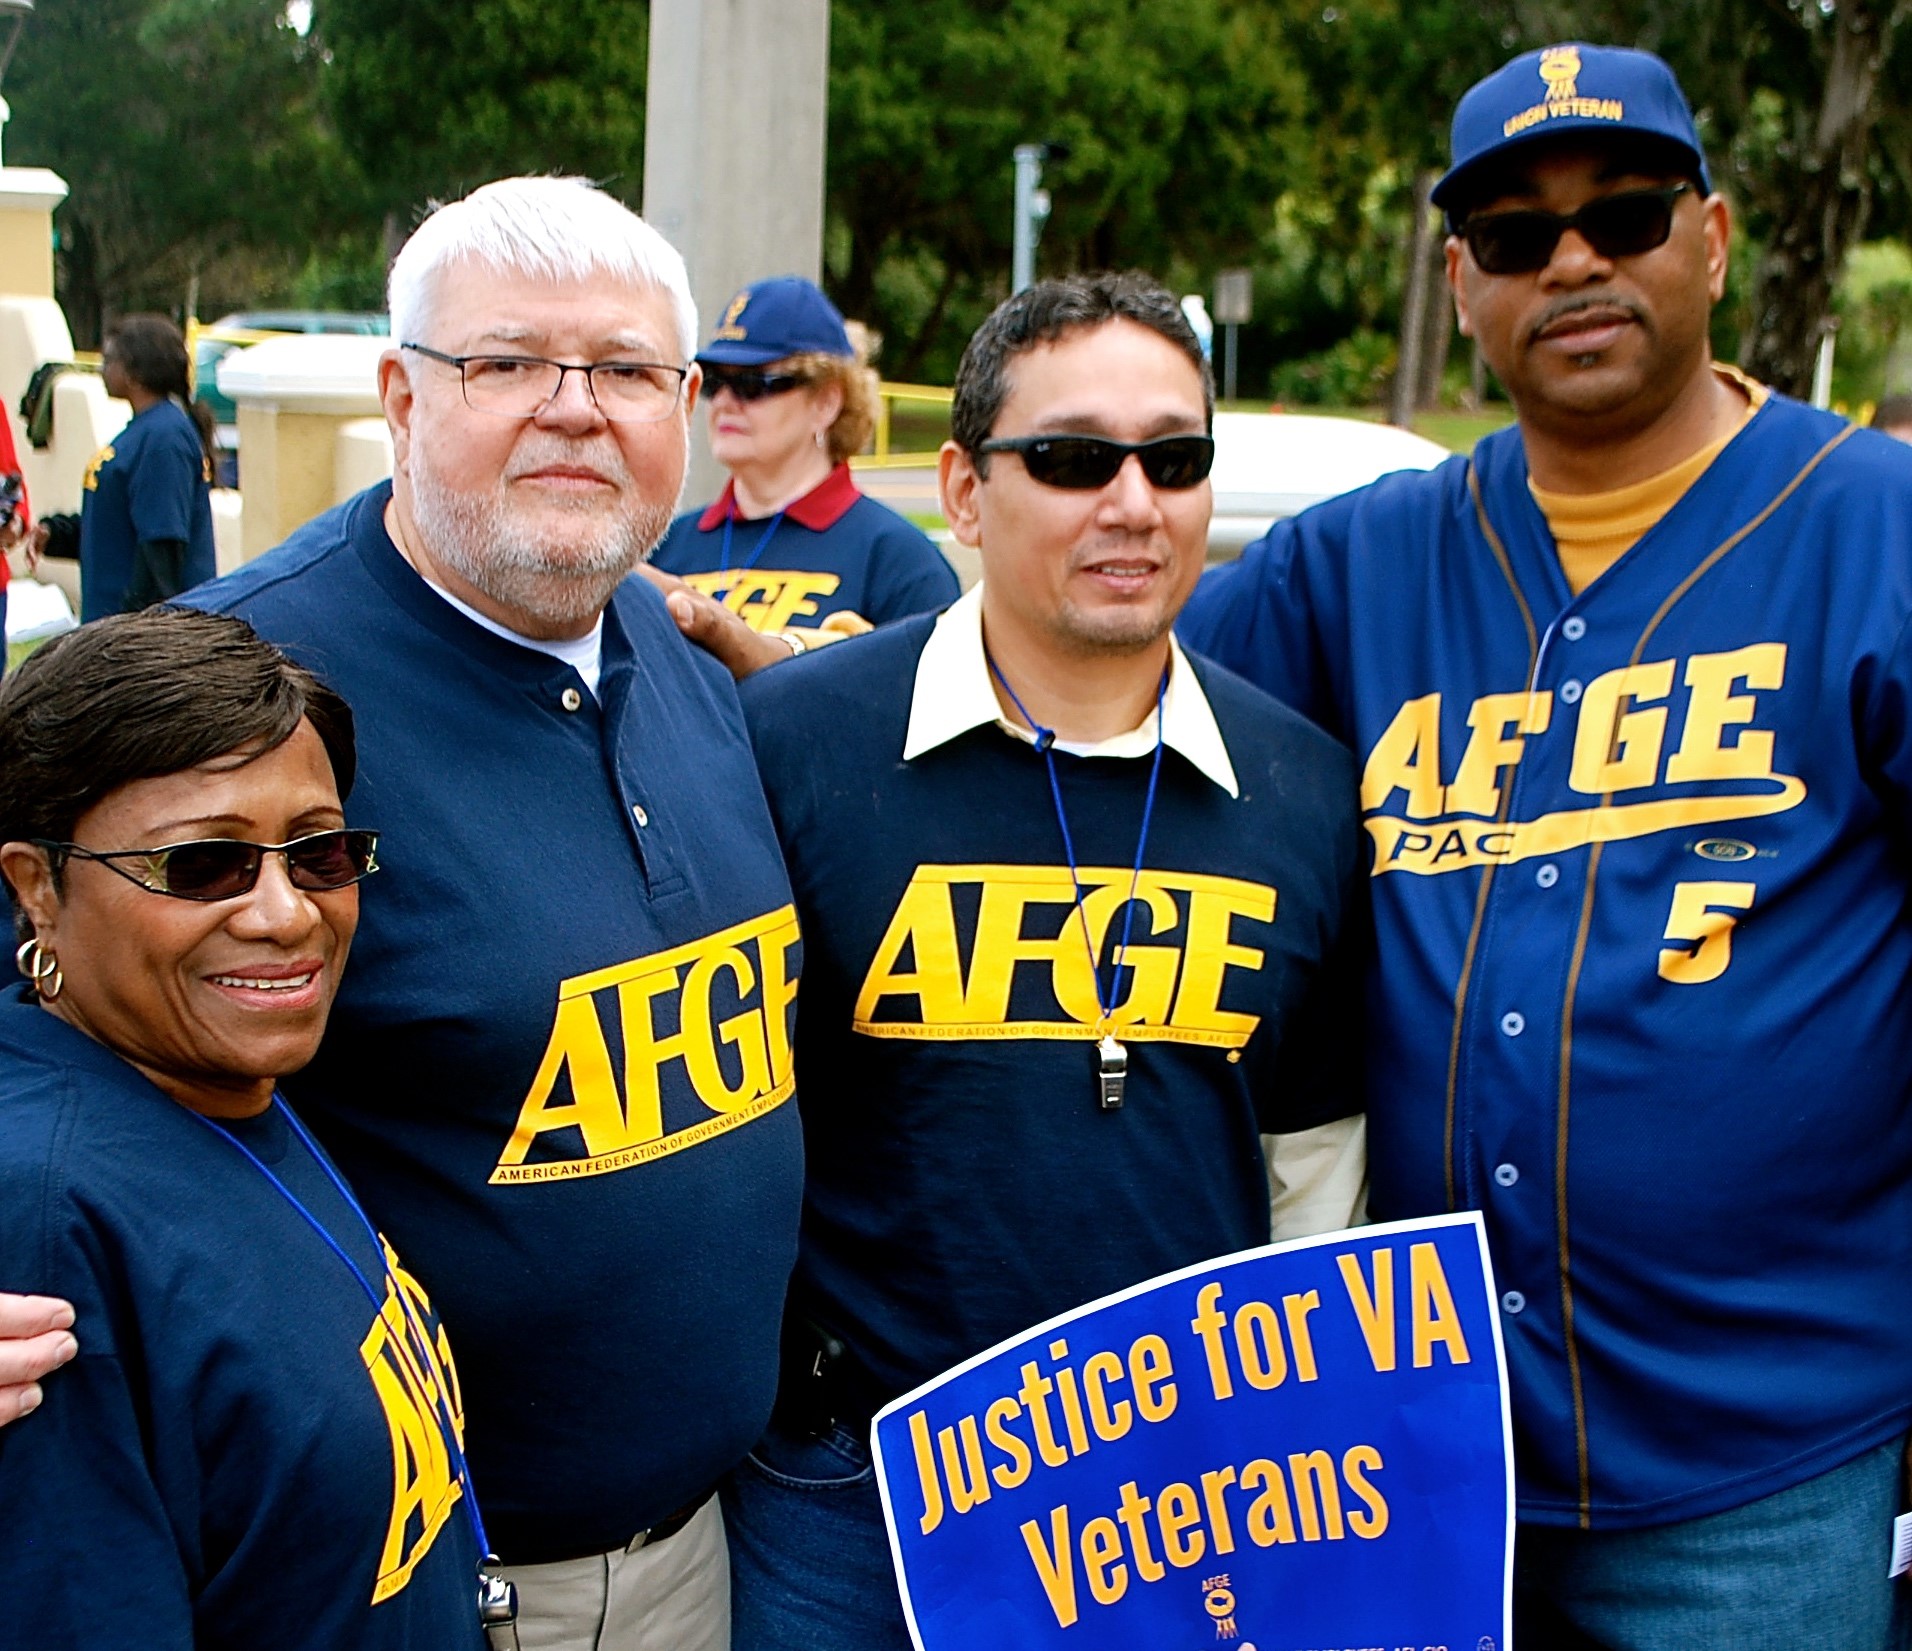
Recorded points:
(1632, 694)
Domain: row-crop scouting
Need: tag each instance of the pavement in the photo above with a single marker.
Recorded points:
(912, 491)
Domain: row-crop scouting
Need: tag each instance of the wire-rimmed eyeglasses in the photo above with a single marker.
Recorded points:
(521, 386)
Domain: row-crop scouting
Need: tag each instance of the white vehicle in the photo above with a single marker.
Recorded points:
(1270, 465)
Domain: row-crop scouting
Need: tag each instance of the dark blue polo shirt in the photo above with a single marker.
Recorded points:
(558, 1066)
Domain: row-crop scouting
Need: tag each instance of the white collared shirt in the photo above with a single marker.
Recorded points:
(954, 694)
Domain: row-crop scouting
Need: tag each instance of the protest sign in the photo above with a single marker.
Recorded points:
(1299, 1448)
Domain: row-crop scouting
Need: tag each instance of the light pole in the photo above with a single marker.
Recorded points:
(13, 18)
(1032, 210)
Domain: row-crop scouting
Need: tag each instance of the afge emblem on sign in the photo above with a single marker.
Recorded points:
(1560, 69)
(1218, 1600)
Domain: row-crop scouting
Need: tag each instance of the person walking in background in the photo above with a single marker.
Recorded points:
(791, 545)
(146, 520)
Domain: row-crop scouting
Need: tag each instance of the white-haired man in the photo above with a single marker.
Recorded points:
(556, 1070)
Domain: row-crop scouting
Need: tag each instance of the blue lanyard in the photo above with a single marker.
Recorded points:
(750, 561)
(414, 1331)
(1045, 743)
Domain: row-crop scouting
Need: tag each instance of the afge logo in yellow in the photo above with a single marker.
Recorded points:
(1025, 924)
(765, 598)
(1624, 742)
(416, 1384)
(717, 1009)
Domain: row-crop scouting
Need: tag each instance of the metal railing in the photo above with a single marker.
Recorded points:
(888, 395)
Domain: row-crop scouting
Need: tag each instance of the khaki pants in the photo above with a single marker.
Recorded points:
(673, 1595)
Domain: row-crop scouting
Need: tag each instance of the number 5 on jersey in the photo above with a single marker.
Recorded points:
(1702, 921)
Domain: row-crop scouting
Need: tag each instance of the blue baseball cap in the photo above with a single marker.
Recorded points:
(1577, 89)
(770, 320)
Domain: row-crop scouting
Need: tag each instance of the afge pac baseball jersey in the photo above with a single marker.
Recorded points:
(1641, 990)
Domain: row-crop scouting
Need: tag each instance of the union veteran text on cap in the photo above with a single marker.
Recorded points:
(1572, 89)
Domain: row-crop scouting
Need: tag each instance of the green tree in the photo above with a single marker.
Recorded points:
(1178, 122)
(433, 98)
(190, 135)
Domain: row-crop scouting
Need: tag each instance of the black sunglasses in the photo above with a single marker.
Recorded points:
(749, 383)
(1615, 226)
(222, 868)
(1083, 462)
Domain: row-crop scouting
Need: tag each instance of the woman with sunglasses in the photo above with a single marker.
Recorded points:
(258, 1442)
(791, 545)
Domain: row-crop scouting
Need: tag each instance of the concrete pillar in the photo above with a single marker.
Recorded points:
(296, 395)
(738, 93)
(28, 195)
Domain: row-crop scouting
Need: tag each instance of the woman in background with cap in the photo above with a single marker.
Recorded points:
(791, 545)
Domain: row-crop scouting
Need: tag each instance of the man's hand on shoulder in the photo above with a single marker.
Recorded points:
(715, 629)
(36, 1338)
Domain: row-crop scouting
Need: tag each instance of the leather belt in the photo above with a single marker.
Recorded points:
(670, 1524)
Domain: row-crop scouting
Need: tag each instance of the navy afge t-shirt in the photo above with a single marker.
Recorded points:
(558, 1066)
(149, 482)
(246, 1452)
(832, 551)
(963, 1182)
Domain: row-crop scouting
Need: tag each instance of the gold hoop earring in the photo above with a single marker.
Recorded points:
(41, 967)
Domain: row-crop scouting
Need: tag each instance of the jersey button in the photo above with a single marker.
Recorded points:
(570, 699)
(1506, 1174)
(1570, 692)
(1513, 1302)
(638, 814)
(1547, 876)
(1573, 629)
(1513, 1023)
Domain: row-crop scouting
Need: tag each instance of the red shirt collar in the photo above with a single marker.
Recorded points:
(822, 507)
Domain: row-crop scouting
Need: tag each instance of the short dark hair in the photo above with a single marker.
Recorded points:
(1893, 413)
(138, 695)
(1041, 314)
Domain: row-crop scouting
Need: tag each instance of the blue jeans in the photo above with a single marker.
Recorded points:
(809, 1553)
(1804, 1567)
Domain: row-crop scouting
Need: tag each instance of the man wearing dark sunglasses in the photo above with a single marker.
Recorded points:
(990, 816)
(1628, 689)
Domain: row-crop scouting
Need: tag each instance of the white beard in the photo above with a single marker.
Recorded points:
(556, 577)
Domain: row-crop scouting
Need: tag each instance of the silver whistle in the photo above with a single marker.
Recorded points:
(497, 1607)
(1112, 1069)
